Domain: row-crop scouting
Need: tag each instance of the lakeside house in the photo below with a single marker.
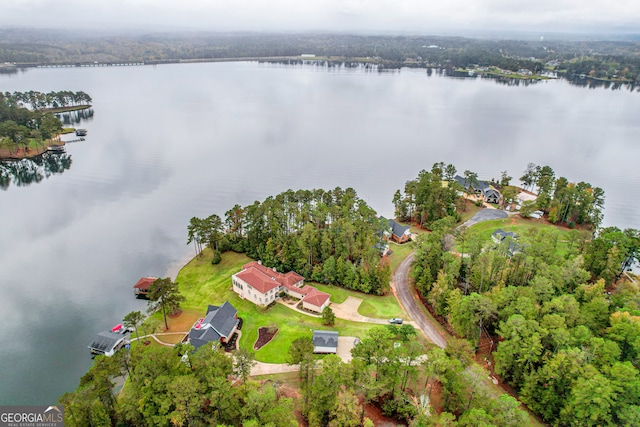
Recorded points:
(262, 285)
(480, 188)
(397, 232)
(325, 342)
(141, 288)
(219, 325)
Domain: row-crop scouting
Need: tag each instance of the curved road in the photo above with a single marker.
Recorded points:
(409, 303)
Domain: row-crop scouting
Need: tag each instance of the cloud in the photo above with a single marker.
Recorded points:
(407, 15)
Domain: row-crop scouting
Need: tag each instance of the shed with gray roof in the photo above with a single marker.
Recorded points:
(325, 342)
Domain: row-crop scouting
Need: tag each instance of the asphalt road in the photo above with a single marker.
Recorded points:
(485, 215)
(407, 300)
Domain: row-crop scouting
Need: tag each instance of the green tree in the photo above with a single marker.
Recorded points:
(132, 320)
(243, 361)
(164, 295)
(328, 317)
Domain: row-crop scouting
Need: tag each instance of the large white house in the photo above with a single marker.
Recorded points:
(261, 285)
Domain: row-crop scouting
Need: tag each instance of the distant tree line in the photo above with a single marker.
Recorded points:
(604, 59)
(326, 236)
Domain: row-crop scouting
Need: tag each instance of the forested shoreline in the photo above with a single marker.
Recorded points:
(554, 314)
(606, 60)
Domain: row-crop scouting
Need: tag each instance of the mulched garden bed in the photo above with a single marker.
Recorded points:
(264, 336)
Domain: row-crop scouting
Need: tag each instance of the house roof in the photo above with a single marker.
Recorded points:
(500, 234)
(264, 278)
(316, 297)
(397, 229)
(463, 182)
(218, 323)
(325, 339)
(490, 191)
(258, 280)
(144, 283)
(106, 341)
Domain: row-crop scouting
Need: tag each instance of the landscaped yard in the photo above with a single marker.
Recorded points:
(202, 283)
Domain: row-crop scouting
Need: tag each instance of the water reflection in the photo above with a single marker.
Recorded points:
(29, 171)
(75, 117)
(590, 83)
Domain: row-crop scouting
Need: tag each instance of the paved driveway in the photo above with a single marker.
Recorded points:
(485, 215)
(348, 310)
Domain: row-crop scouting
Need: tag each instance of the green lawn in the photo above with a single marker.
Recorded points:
(202, 283)
(522, 227)
(372, 305)
(398, 253)
(470, 210)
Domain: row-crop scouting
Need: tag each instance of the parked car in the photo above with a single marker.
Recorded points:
(396, 321)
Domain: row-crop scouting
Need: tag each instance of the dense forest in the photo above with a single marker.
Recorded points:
(561, 320)
(326, 236)
(618, 60)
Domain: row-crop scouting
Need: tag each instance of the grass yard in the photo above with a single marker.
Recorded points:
(202, 283)
(398, 253)
(372, 305)
(522, 227)
(470, 210)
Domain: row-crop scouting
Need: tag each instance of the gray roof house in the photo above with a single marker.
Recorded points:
(107, 343)
(325, 342)
(491, 195)
(217, 326)
(500, 236)
(477, 187)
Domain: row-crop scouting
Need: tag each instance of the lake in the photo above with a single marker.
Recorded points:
(170, 142)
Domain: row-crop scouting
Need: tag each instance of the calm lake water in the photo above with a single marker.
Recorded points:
(170, 142)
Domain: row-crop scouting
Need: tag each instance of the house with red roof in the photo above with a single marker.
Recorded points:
(262, 285)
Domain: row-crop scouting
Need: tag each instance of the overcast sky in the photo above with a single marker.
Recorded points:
(417, 16)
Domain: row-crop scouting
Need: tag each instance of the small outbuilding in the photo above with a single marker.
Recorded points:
(325, 342)
(141, 288)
